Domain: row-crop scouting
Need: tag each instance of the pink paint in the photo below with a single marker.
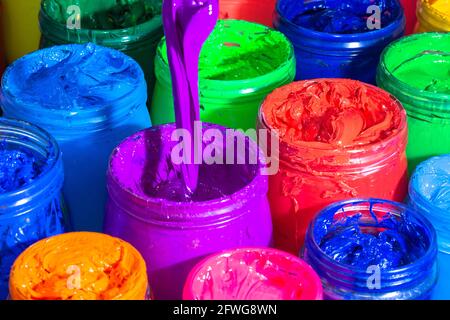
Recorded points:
(253, 274)
(187, 25)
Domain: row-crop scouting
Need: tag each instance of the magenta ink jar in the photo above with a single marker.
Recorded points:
(229, 209)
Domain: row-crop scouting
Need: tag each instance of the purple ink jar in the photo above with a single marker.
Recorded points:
(147, 207)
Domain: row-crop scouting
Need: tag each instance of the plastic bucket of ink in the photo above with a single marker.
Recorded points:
(147, 203)
(252, 274)
(259, 11)
(336, 50)
(20, 27)
(415, 70)
(433, 15)
(89, 98)
(371, 249)
(240, 63)
(31, 203)
(131, 26)
(429, 194)
(339, 139)
(79, 266)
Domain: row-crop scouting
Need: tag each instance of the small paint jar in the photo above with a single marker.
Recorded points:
(340, 46)
(148, 208)
(339, 139)
(433, 15)
(372, 250)
(31, 203)
(252, 274)
(20, 28)
(89, 98)
(259, 11)
(429, 194)
(415, 70)
(409, 7)
(79, 266)
(240, 63)
(133, 27)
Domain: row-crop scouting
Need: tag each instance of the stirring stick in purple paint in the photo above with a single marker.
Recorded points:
(187, 25)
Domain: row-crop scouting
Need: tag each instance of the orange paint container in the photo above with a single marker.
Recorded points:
(79, 266)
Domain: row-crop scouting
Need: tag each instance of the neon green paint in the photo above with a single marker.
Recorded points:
(240, 63)
(416, 70)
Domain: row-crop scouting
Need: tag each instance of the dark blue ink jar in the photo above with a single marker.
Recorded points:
(370, 249)
(31, 179)
(429, 194)
(339, 38)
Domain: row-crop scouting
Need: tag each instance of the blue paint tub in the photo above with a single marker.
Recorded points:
(89, 98)
(31, 203)
(429, 193)
(332, 38)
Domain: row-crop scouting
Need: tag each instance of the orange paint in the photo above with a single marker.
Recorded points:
(79, 266)
(339, 139)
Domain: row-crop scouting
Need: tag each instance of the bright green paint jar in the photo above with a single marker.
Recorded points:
(240, 64)
(131, 26)
(416, 70)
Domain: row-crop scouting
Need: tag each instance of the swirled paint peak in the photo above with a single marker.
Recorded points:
(333, 113)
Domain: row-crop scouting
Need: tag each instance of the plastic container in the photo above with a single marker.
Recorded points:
(20, 27)
(433, 15)
(174, 234)
(133, 27)
(252, 274)
(415, 70)
(429, 194)
(250, 10)
(339, 139)
(32, 208)
(321, 54)
(362, 269)
(89, 98)
(409, 6)
(79, 266)
(240, 64)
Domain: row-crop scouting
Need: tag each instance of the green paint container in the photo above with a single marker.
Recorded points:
(416, 70)
(131, 26)
(240, 64)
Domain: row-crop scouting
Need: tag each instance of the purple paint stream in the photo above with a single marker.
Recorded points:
(187, 25)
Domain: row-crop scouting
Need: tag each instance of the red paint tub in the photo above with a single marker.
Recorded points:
(339, 139)
(253, 274)
(260, 11)
(410, 12)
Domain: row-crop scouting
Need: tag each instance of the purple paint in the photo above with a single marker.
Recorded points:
(229, 208)
(187, 25)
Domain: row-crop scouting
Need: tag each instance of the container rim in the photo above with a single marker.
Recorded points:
(422, 220)
(399, 21)
(210, 211)
(403, 86)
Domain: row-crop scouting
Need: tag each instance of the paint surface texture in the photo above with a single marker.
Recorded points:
(253, 274)
(341, 16)
(18, 168)
(73, 77)
(105, 14)
(107, 269)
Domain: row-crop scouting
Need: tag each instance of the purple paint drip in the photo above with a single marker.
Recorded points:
(187, 25)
